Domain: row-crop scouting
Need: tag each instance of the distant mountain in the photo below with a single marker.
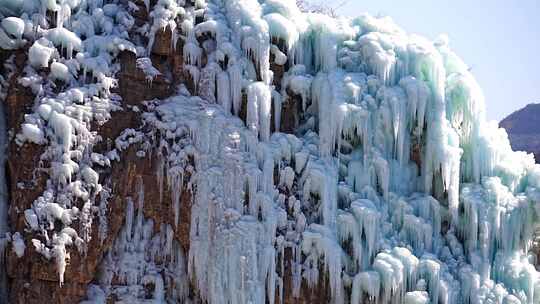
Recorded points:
(523, 127)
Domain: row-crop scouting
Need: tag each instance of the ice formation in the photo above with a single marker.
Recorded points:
(140, 256)
(393, 188)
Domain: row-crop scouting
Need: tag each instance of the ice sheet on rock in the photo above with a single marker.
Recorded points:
(145, 64)
(163, 16)
(319, 243)
(11, 32)
(282, 28)
(60, 71)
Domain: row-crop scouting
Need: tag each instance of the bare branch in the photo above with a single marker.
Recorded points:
(321, 8)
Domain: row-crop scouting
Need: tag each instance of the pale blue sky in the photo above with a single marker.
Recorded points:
(499, 39)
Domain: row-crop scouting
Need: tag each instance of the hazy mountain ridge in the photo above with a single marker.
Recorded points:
(523, 127)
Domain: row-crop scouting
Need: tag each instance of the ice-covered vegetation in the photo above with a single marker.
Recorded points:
(393, 187)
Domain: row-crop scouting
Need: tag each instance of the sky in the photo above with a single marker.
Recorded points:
(498, 39)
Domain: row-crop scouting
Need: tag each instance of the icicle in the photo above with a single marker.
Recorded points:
(224, 91)
(192, 53)
(277, 102)
(259, 106)
(366, 283)
(235, 77)
(430, 271)
(324, 100)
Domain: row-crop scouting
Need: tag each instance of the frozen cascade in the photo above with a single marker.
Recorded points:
(393, 188)
(240, 248)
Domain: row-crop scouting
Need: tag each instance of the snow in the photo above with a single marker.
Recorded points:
(280, 27)
(33, 133)
(13, 26)
(60, 71)
(65, 39)
(40, 53)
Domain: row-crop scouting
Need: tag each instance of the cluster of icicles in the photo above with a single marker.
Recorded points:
(393, 188)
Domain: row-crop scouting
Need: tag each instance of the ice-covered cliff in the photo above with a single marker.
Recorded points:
(241, 151)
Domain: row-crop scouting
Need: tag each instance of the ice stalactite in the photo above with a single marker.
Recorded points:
(258, 109)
